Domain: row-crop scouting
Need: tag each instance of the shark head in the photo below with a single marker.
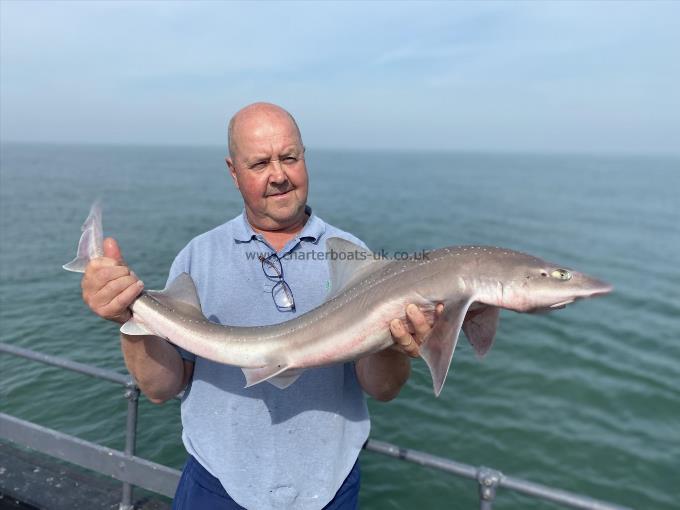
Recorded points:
(542, 286)
(485, 279)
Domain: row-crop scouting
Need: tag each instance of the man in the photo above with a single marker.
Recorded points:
(259, 447)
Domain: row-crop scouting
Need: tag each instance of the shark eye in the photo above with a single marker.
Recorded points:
(561, 274)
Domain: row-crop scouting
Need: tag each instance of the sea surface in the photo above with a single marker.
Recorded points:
(585, 399)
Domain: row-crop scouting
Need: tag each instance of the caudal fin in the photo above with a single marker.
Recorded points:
(91, 241)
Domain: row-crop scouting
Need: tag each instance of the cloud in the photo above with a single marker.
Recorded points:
(485, 75)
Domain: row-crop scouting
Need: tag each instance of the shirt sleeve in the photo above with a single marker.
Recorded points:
(181, 265)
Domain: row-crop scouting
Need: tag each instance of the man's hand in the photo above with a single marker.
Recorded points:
(409, 337)
(109, 287)
(383, 374)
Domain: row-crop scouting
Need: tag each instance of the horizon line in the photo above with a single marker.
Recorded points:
(456, 150)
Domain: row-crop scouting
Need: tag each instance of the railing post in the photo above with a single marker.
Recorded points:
(132, 396)
(488, 480)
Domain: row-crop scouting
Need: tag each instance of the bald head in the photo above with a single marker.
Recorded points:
(251, 114)
(266, 162)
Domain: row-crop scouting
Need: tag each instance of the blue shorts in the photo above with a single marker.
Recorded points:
(199, 490)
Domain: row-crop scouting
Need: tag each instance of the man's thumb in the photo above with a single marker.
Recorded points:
(111, 249)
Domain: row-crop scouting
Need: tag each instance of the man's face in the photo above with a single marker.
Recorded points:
(269, 170)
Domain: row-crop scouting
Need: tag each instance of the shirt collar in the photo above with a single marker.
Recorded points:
(312, 231)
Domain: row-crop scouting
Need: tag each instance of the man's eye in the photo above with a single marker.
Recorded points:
(290, 160)
(260, 165)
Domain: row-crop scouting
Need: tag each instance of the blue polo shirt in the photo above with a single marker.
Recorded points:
(270, 448)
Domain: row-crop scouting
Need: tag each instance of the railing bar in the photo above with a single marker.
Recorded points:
(68, 364)
(391, 450)
(141, 472)
(422, 458)
(507, 482)
(556, 495)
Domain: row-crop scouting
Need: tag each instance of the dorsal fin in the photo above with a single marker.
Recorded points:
(180, 295)
(349, 263)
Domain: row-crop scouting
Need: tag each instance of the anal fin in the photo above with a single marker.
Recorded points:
(134, 328)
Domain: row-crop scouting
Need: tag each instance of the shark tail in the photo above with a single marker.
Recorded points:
(91, 241)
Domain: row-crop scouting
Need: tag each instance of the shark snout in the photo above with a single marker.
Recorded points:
(592, 287)
(586, 287)
(555, 294)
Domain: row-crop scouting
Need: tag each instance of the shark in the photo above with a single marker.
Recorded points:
(366, 293)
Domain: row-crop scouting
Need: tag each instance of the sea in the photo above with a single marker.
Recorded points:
(585, 399)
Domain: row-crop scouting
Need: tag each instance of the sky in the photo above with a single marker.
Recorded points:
(471, 76)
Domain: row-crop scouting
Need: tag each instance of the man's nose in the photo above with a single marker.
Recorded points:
(276, 173)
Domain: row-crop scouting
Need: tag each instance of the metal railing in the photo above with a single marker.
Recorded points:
(135, 471)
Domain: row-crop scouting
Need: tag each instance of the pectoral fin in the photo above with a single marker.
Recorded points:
(438, 346)
(480, 327)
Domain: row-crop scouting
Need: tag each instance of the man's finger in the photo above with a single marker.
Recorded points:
(420, 324)
(98, 263)
(403, 339)
(114, 288)
(105, 275)
(397, 329)
(118, 306)
(112, 250)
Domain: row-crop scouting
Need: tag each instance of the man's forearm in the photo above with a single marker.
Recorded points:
(156, 366)
(384, 373)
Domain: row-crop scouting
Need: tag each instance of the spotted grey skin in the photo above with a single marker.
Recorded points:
(473, 283)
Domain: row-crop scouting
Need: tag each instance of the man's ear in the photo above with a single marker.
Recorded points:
(232, 171)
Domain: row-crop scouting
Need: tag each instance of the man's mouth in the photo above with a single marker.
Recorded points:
(279, 193)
